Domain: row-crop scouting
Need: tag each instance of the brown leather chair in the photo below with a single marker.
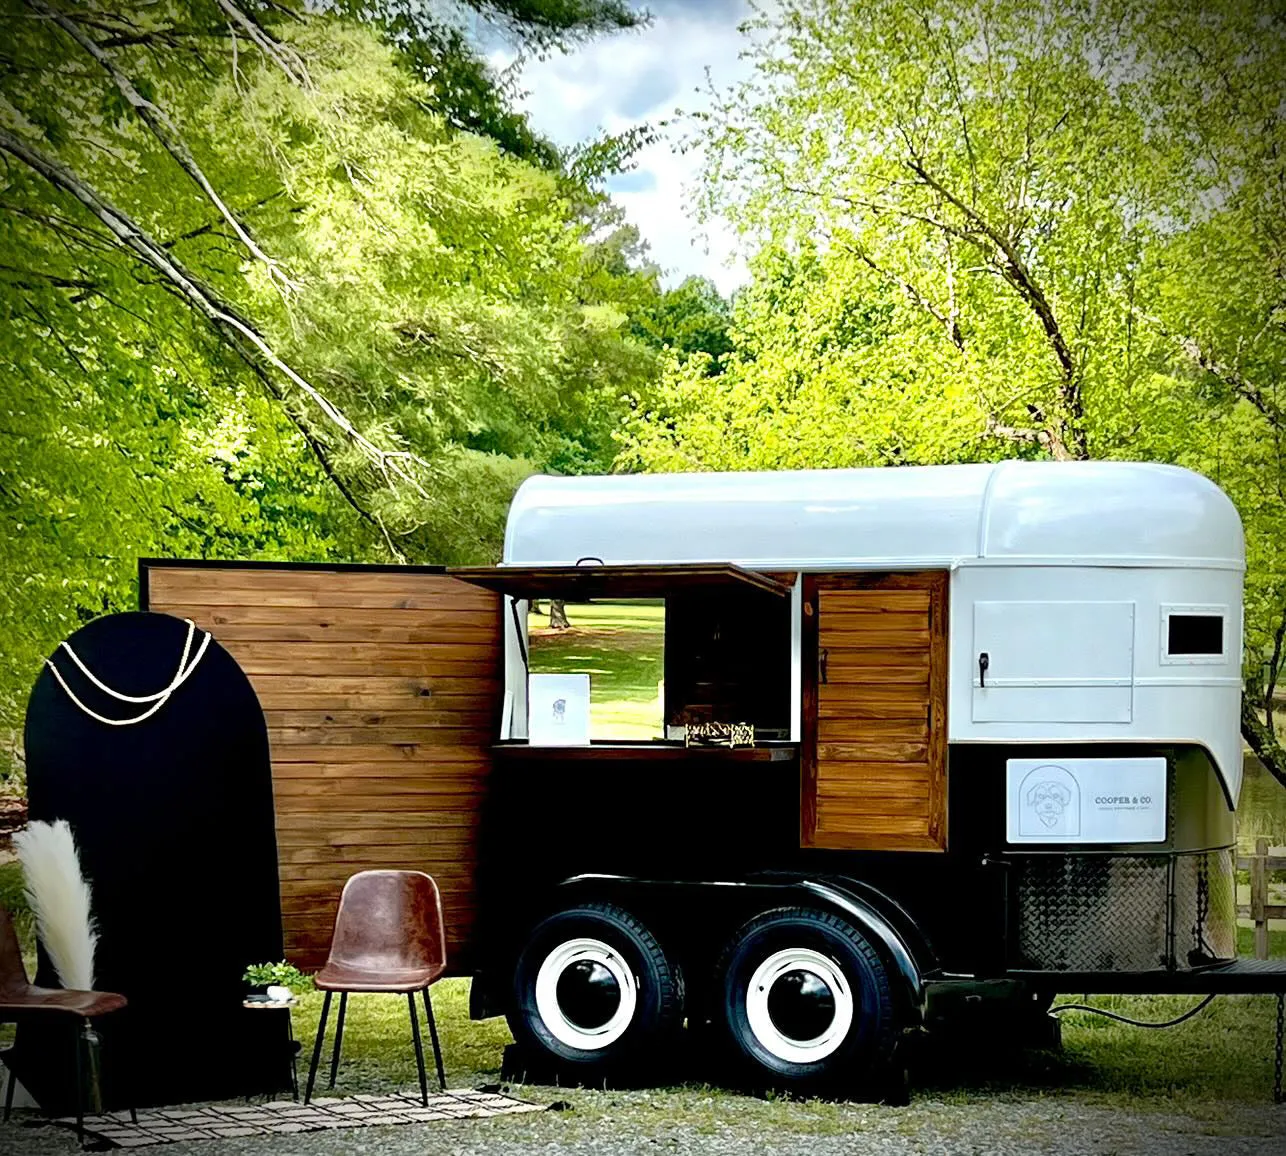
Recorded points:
(389, 937)
(21, 1001)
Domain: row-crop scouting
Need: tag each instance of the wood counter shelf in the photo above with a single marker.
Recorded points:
(646, 752)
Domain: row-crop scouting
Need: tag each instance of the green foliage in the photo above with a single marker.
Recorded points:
(13, 898)
(1003, 230)
(693, 317)
(280, 974)
(440, 318)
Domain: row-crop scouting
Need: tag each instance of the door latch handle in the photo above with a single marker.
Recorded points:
(821, 666)
(984, 661)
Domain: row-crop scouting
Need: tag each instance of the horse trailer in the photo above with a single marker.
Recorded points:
(921, 733)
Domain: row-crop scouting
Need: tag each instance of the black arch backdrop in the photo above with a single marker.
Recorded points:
(173, 816)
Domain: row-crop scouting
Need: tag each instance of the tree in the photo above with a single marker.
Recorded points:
(261, 300)
(693, 317)
(1004, 229)
(433, 40)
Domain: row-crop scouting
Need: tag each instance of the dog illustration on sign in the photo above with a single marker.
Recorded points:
(1051, 802)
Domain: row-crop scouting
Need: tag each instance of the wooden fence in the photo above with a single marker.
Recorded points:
(1259, 909)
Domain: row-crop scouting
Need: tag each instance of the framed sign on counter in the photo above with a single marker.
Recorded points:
(558, 710)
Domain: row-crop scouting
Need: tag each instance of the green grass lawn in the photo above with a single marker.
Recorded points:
(621, 646)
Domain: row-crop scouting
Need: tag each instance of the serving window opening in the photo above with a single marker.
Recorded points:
(619, 645)
(650, 654)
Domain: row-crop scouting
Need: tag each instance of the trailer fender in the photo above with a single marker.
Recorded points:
(887, 938)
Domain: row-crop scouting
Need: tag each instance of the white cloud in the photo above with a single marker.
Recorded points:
(620, 81)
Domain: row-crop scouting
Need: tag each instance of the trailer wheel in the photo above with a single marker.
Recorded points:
(594, 991)
(806, 1000)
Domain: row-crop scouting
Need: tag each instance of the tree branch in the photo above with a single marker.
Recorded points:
(167, 134)
(948, 321)
(1046, 438)
(395, 466)
(1233, 378)
(1262, 740)
(285, 58)
(1017, 273)
(1274, 668)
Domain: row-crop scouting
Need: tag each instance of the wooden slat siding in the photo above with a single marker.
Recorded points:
(873, 766)
(381, 693)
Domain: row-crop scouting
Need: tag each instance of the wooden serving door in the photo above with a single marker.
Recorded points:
(875, 700)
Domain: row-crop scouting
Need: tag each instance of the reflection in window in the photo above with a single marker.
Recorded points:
(620, 645)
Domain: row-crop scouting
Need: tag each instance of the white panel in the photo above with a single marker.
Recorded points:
(1085, 800)
(1065, 704)
(797, 660)
(1053, 661)
(558, 710)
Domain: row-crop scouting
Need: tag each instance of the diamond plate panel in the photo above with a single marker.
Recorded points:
(1092, 913)
(1113, 912)
(1205, 908)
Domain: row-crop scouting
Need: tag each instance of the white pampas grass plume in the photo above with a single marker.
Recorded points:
(60, 900)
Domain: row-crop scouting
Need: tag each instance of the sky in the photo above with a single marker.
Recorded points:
(630, 78)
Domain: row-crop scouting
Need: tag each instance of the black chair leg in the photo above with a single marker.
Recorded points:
(433, 1035)
(294, 1059)
(9, 1081)
(94, 1059)
(339, 1037)
(130, 1078)
(317, 1049)
(80, 1091)
(419, 1048)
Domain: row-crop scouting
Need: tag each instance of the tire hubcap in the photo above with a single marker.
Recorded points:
(799, 1005)
(586, 994)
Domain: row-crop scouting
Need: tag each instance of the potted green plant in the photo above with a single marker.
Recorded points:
(276, 981)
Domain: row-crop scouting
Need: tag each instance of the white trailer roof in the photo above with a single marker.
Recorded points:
(1104, 513)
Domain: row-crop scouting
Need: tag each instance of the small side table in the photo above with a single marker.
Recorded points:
(282, 1005)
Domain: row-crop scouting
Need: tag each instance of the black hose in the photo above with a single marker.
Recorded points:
(1098, 1011)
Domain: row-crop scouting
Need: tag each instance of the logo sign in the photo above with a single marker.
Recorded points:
(1085, 800)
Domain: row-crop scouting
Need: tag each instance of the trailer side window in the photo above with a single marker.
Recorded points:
(1194, 634)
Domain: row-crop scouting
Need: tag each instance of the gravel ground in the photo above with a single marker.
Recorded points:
(929, 1127)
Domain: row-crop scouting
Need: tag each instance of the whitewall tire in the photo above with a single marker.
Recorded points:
(594, 991)
(586, 994)
(806, 1001)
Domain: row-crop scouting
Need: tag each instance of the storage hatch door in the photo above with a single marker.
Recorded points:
(1053, 662)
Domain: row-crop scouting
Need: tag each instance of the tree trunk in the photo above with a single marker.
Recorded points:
(557, 615)
(1262, 740)
(1274, 670)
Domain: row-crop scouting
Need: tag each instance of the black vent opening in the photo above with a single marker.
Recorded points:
(1195, 634)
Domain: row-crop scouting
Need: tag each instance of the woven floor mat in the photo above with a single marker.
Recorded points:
(278, 1117)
